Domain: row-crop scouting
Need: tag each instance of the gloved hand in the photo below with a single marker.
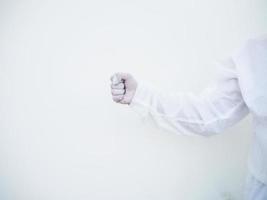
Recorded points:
(123, 87)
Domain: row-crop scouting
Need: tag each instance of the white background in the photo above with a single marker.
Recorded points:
(62, 137)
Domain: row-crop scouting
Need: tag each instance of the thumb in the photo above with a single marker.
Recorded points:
(122, 76)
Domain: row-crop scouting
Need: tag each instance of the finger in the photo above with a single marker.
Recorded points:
(117, 98)
(112, 77)
(125, 100)
(118, 86)
(115, 80)
(117, 91)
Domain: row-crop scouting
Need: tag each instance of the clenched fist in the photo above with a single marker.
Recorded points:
(123, 87)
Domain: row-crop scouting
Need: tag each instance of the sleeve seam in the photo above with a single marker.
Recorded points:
(229, 113)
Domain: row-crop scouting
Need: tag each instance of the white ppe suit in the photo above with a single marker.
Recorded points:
(240, 89)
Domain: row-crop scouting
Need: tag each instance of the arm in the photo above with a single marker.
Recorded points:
(212, 111)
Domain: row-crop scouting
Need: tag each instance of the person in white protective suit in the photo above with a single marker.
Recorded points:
(240, 89)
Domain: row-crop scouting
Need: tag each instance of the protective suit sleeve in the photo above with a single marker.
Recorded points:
(215, 109)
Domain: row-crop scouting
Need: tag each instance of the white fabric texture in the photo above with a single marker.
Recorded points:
(255, 190)
(240, 89)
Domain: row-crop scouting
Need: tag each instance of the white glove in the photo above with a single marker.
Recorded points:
(123, 87)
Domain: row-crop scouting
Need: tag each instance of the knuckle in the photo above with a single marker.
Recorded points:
(115, 99)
